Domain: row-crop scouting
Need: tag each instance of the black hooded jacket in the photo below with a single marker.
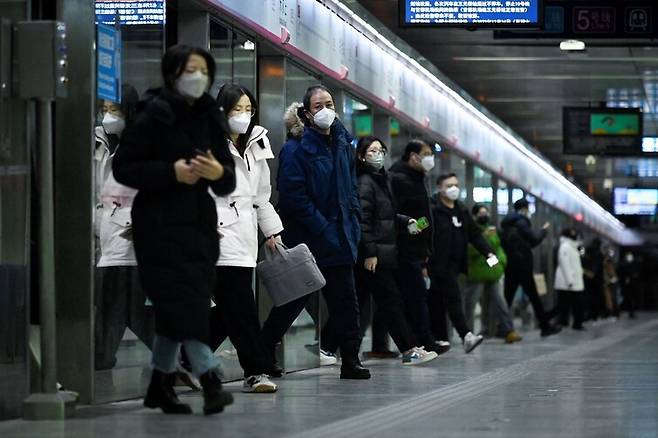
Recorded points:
(380, 225)
(454, 229)
(518, 239)
(410, 194)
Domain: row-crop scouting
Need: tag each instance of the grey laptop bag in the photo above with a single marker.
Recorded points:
(289, 273)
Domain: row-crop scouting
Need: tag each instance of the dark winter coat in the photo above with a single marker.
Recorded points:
(379, 222)
(518, 239)
(454, 229)
(318, 195)
(175, 224)
(412, 199)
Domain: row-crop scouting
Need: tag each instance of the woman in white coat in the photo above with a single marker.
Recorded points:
(119, 297)
(569, 281)
(240, 215)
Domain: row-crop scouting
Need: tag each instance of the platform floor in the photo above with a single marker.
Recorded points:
(601, 383)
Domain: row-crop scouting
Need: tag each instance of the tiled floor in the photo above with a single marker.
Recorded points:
(601, 383)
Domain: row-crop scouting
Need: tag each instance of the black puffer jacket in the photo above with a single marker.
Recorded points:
(518, 239)
(175, 224)
(412, 200)
(379, 222)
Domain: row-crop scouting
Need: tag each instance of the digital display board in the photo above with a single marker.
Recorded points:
(602, 131)
(637, 202)
(131, 12)
(471, 13)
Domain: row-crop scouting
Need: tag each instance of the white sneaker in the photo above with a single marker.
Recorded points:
(417, 356)
(260, 384)
(327, 358)
(471, 341)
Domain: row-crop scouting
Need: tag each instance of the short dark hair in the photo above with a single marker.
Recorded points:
(444, 177)
(477, 207)
(365, 142)
(570, 233)
(227, 98)
(520, 204)
(306, 101)
(414, 147)
(175, 59)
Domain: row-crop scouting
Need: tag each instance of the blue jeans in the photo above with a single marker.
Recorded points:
(165, 355)
(412, 287)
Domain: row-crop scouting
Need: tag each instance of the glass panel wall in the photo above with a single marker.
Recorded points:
(123, 318)
(235, 55)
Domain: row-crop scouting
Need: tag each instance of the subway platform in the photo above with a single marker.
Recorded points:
(599, 383)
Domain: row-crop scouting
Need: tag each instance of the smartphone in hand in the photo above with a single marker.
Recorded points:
(198, 152)
(492, 261)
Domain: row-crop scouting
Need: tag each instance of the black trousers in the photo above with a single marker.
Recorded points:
(411, 283)
(525, 278)
(571, 302)
(119, 304)
(236, 316)
(382, 287)
(446, 298)
(343, 324)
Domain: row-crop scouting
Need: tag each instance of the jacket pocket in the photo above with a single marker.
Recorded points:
(227, 215)
(121, 217)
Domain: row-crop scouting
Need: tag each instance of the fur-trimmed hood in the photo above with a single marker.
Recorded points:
(294, 125)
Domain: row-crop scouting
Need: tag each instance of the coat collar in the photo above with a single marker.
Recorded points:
(168, 106)
(312, 138)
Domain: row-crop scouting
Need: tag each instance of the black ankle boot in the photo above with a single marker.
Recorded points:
(351, 367)
(214, 398)
(161, 394)
(276, 370)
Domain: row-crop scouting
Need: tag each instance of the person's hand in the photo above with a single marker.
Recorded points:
(272, 241)
(413, 230)
(546, 226)
(207, 167)
(370, 264)
(184, 173)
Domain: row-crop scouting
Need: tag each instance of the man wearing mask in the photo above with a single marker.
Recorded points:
(319, 206)
(454, 229)
(412, 200)
(519, 239)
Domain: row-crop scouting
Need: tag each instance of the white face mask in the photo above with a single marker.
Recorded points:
(427, 163)
(192, 85)
(324, 118)
(113, 124)
(239, 124)
(375, 161)
(452, 193)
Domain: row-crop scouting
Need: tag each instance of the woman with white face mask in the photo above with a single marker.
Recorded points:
(173, 154)
(119, 298)
(240, 215)
(378, 255)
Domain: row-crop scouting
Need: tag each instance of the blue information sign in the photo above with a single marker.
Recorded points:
(108, 63)
(131, 12)
(471, 13)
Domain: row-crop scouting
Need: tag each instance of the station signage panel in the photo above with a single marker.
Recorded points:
(108, 63)
(471, 13)
(582, 19)
(602, 131)
(131, 12)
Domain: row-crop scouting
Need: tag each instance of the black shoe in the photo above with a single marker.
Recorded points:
(214, 398)
(351, 367)
(386, 354)
(550, 330)
(161, 394)
(276, 371)
(579, 328)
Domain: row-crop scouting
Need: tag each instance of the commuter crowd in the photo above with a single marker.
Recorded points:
(183, 187)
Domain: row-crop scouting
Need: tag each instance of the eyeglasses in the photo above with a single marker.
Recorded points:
(237, 113)
(376, 151)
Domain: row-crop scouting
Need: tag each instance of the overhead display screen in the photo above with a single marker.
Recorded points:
(471, 13)
(131, 12)
(637, 202)
(602, 131)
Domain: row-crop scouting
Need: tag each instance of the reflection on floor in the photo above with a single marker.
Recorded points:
(598, 383)
(130, 377)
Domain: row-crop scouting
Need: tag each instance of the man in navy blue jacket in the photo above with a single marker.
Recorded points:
(319, 205)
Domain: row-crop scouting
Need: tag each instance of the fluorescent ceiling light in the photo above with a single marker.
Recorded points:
(572, 45)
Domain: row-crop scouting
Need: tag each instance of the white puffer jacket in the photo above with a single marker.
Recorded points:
(246, 209)
(569, 272)
(113, 220)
